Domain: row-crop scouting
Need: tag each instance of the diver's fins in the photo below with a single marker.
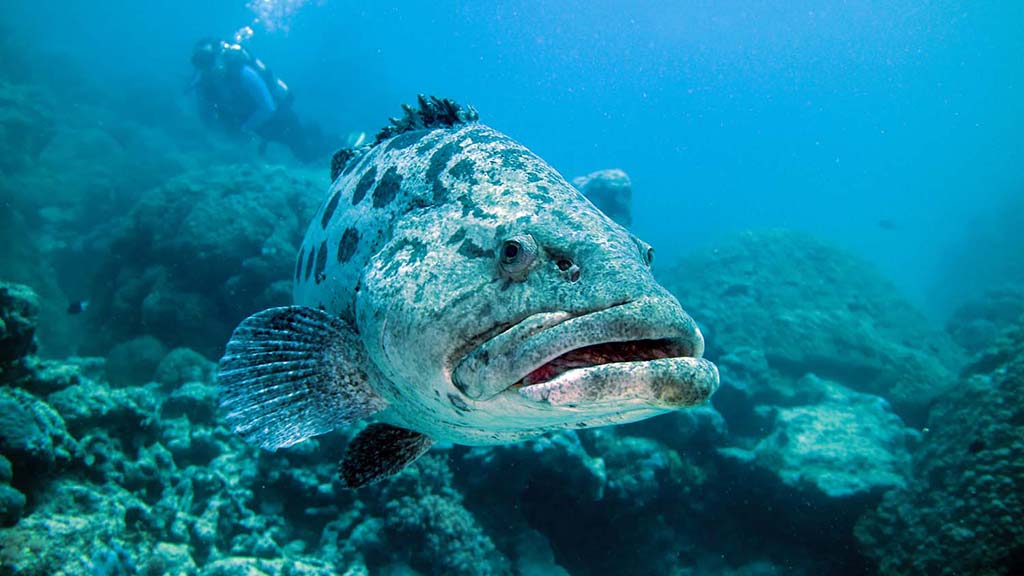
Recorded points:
(380, 451)
(294, 372)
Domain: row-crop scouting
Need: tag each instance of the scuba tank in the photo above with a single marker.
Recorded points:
(234, 56)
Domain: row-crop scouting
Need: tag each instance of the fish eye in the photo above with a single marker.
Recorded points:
(512, 249)
(517, 253)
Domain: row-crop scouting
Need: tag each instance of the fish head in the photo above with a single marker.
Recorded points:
(517, 307)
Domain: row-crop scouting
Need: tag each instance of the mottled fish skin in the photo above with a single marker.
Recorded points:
(406, 247)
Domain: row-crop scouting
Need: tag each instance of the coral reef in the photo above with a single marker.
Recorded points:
(846, 444)
(960, 513)
(198, 254)
(842, 439)
(803, 306)
(145, 477)
(19, 308)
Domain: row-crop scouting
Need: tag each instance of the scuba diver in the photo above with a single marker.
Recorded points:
(239, 94)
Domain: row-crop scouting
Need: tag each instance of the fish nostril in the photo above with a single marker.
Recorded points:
(570, 270)
(573, 273)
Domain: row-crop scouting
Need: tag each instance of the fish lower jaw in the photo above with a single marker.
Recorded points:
(665, 383)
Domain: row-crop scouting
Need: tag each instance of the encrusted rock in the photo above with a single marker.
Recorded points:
(806, 306)
(19, 308)
(611, 191)
(32, 437)
(961, 512)
(847, 444)
(199, 253)
(183, 365)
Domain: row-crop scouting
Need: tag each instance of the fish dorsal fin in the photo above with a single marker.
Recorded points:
(294, 372)
(431, 113)
(341, 159)
(380, 451)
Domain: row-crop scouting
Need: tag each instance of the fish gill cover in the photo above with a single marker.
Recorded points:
(831, 190)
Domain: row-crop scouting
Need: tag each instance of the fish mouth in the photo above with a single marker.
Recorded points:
(646, 351)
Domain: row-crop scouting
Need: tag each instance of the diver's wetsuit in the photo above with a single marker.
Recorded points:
(237, 98)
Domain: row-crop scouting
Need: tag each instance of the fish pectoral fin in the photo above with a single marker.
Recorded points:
(380, 451)
(294, 372)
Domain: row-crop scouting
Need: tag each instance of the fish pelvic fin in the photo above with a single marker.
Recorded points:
(379, 451)
(294, 372)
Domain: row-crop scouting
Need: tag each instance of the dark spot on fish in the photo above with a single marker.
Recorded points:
(298, 264)
(438, 162)
(427, 144)
(321, 262)
(458, 403)
(467, 204)
(513, 158)
(486, 310)
(533, 177)
(387, 188)
(406, 139)
(470, 249)
(348, 244)
(417, 250)
(464, 170)
(416, 203)
(351, 163)
(340, 161)
(309, 264)
(332, 205)
(539, 196)
(976, 446)
(457, 237)
(471, 207)
(364, 184)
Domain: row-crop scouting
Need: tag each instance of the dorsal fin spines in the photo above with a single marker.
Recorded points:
(339, 160)
(432, 112)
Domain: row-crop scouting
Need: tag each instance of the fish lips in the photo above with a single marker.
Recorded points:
(645, 351)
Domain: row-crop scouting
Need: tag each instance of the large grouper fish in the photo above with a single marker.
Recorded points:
(454, 287)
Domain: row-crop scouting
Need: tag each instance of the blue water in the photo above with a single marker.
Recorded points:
(825, 116)
(841, 180)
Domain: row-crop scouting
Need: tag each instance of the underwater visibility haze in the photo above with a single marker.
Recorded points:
(656, 288)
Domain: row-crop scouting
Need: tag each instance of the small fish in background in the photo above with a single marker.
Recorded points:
(76, 307)
(888, 224)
